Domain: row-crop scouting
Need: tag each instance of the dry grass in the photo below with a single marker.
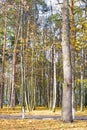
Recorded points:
(44, 124)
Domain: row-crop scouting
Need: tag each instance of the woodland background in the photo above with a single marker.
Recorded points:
(31, 53)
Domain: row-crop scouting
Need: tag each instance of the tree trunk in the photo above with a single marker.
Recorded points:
(51, 83)
(14, 62)
(32, 82)
(82, 82)
(48, 87)
(67, 70)
(3, 66)
(26, 63)
(22, 84)
(73, 37)
(54, 80)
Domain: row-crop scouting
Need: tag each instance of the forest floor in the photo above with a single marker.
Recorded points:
(40, 119)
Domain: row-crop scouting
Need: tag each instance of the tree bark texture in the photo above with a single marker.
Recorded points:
(67, 70)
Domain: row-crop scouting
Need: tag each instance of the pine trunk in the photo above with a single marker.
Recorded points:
(67, 70)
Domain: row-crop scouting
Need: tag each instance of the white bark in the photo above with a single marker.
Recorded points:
(54, 80)
(23, 112)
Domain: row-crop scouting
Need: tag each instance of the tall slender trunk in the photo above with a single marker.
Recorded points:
(22, 83)
(73, 37)
(3, 65)
(23, 69)
(82, 82)
(48, 87)
(51, 83)
(14, 62)
(32, 83)
(54, 80)
(67, 70)
(26, 66)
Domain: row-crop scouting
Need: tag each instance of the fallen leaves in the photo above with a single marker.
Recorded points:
(27, 124)
(42, 124)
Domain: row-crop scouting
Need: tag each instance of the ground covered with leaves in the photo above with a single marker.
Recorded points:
(32, 121)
